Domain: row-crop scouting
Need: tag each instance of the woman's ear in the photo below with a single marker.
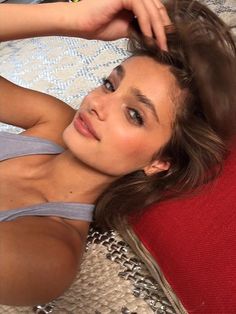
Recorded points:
(156, 166)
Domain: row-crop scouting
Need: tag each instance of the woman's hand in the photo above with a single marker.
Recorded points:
(90, 19)
(110, 19)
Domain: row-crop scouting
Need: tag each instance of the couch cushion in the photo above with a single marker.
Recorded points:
(193, 240)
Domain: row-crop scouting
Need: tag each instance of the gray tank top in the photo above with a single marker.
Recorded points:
(14, 145)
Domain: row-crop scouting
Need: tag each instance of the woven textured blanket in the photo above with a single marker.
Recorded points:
(113, 279)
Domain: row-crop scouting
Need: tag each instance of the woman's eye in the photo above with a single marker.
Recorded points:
(108, 85)
(135, 116)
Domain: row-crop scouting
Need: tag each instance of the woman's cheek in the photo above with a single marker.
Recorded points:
(131, 144)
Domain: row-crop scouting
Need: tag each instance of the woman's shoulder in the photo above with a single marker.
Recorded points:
(53, 127)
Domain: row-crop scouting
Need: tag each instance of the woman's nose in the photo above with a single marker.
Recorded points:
(98, 105)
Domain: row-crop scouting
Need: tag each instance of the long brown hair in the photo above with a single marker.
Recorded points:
(202, 56)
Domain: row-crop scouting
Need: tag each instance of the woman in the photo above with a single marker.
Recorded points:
(153, 130)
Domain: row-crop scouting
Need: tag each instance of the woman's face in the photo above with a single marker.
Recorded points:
(123, 123)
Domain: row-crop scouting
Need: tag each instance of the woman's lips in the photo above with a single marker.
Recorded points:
(84, 126)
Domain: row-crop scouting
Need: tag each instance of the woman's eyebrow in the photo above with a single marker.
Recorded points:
(146, 101)
(120, 71)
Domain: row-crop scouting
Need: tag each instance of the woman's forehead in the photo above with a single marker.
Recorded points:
(147, 74)
(145, 68)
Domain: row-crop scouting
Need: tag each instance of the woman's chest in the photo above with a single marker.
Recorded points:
(18, 185)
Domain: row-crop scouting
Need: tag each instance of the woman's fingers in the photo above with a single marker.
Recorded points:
(141, 13)
(163, 12)
(165, 22)
(104, 19)
(159, 19)
(152, 18)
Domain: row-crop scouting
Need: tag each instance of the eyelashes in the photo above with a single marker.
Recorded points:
(107, 84)
(133, 114)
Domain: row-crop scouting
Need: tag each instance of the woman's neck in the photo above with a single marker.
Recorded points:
(66, 179)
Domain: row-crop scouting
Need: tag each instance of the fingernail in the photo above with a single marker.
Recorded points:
(163, 46)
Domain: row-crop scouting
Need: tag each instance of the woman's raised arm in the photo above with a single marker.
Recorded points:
(90, 19)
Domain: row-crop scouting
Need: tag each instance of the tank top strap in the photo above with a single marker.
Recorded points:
(16, 145)
(77, 211)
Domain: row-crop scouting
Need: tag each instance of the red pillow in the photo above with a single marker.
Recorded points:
(194, 243)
